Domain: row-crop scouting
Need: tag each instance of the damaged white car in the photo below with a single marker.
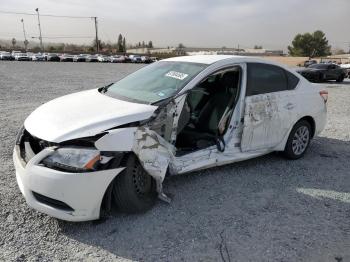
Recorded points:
(85, 152)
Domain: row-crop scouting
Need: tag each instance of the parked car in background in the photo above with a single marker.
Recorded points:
(80, 58)
(38, 57)
(30, 54)
(13, 53)
(52, 57)
(309, 62)
(92, 58)
(118, 59)
(146, 59)
(323, 72)
(103, 58)
(66, 58)
(135, 58)
(6, 56)
(127, 59)
(347, 68)
(154, 59)
(45, 56)
(22, 57)
(83, 152)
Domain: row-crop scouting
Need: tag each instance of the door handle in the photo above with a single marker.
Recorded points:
(289, 106)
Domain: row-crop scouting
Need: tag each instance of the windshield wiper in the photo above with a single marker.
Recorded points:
(104, 88)
(167, 99)
(161, 101)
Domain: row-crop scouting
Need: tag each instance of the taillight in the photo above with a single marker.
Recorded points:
(324, 95)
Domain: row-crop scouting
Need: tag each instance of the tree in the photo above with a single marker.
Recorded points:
(124, 45)
(13, 42)
(150, 44)
(100, 44)
(180, 46)
(311, 45)
(120, 47)
(51, 48)
(258, 47)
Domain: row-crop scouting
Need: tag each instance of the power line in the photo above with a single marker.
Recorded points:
(48, 15)
(94, 18)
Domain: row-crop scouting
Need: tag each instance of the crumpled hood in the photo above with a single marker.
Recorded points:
(83, 114)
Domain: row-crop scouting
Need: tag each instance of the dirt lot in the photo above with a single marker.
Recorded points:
(266, 209)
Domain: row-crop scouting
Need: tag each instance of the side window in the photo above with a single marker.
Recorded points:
(292, 80)
(264, 78)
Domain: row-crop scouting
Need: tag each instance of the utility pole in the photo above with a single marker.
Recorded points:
(25, 36)
(40, 37)
(96, 30)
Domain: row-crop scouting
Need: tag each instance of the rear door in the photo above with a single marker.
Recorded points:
(269, 106)
(331, 72)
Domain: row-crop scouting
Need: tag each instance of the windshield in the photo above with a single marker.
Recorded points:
(155, 82)
(319, 66)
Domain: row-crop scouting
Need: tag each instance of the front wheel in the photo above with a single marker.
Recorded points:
(321, 78)
(298, 140)
(134, 190)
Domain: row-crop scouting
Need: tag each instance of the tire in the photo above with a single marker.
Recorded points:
(298, 140)
(321, 78)
(340, 79)
(134, 190)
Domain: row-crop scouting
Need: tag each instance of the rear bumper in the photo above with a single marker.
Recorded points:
(82, 192)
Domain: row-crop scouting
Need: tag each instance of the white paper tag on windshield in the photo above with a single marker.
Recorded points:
(176, 75)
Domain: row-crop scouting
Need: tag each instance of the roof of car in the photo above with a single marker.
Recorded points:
(210, 59)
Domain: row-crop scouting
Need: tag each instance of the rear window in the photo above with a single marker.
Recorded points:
(319, 66)
(292, 80)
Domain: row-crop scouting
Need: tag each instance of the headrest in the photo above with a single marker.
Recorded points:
(229, 80)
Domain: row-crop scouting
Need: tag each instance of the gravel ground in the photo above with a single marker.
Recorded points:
(265, 209)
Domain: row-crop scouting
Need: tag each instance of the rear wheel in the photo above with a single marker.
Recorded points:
(134, 190)
(340, 78)
(298, 140)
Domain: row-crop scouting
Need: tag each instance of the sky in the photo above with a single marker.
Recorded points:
(196, 23)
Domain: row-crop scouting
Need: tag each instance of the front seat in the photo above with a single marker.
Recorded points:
(205, 130)
(212, 112)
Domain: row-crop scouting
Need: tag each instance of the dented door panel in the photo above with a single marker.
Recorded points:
(267, 119)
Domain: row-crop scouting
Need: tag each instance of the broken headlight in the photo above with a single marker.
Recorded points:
(73, 159)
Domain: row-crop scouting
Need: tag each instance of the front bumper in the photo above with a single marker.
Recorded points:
(82, 192)
(23, 59)
(311, 76)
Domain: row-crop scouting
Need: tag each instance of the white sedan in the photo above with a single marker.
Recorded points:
(347, 68)
(81, 153)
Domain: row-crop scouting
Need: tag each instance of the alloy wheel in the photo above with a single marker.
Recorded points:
(300, 140)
